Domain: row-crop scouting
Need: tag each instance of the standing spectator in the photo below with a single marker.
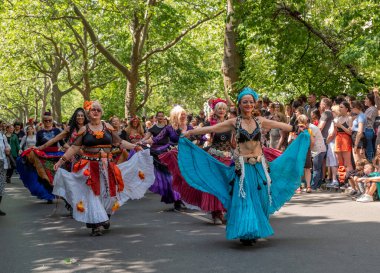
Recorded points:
(2, 127)
(312, 104)
(288, 113)
(358, 125)
(293, 119)
(324, 125)
(343, 141)
(29, 140)
(4, 151)
(315, 117)
(19, 130)
(303, 124)
(318, 152)
(331, 159)
(201, 117)
(371, 113)
(15, 148)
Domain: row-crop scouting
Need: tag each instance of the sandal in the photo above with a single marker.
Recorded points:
(298, 190)
(308, 189)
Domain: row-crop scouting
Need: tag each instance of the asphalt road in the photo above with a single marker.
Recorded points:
(319, 232)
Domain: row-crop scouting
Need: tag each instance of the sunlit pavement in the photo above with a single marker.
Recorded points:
(319, 232)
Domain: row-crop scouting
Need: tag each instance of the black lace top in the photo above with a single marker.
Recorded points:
(105, 137)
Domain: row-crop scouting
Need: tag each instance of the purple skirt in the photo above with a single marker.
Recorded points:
(163, 179)
(163, 186)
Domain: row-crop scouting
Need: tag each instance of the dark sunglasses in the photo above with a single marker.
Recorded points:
(48, 120)
(95, 110)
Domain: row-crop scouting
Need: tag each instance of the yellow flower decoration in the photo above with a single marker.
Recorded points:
(141, 175)
(80, 206)
(99, 134)
(115, 206)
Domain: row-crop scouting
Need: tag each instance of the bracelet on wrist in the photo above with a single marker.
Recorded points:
(63, 159)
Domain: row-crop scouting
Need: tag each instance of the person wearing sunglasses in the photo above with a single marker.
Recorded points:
(38, 174)
(97, 186)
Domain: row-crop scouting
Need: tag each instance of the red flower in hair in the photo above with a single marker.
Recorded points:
(87, 105)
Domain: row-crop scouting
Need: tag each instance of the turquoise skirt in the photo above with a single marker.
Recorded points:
(248, 216)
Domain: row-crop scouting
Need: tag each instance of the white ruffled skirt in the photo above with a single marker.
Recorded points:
(137, 174)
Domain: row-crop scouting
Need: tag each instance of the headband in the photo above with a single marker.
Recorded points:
(248, 91)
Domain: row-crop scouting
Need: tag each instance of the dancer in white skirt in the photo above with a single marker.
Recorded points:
(97, 187)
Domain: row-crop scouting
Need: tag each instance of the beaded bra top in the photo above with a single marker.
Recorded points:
(244, 136)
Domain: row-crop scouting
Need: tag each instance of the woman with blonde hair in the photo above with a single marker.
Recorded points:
(331, 158)
(178, 189)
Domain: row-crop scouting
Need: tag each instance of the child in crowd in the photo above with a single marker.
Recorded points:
(353, 177)
(369, 180)
(376, 159)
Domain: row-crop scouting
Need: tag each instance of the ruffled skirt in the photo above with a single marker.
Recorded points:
(247, 216)
(36, 169)
(137, 175)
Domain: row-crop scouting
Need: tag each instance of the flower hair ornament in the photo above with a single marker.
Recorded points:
(87, 105)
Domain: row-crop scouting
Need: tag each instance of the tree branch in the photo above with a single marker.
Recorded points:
(179, 37)
(115, 62)
(332, 45)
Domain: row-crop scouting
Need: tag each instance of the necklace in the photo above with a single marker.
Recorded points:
(160, 126)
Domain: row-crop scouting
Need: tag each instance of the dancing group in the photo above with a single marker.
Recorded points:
(231, 177)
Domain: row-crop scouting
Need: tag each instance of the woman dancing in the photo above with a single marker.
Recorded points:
(220, 148)
(168, 156)
(249, 190)
(134, 131)
(36, 166)
(70, 133)
(97, 187)
(163, 179)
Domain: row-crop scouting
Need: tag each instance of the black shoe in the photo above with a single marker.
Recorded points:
(8, 180)
(96, 232)
(107, 225)
(177, 205)
(247, 242)
(2, 213)
(49, 202)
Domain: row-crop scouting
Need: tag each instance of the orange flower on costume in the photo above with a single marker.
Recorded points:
(115, 206)
(86, 172)
(99, 134)
(141, 175)
(87, 105)
(80, 206)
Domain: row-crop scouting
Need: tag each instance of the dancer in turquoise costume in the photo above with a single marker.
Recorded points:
(253, 188)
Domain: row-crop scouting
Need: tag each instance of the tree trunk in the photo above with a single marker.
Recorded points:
(130, 95)
(47, 88)
(56, 105)
(231, 59)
